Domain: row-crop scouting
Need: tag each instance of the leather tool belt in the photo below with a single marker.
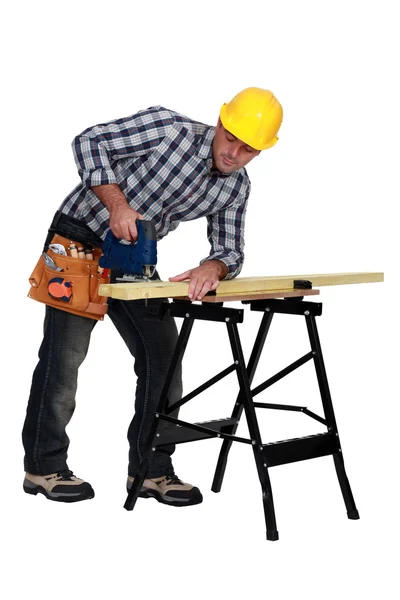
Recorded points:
(74, 289)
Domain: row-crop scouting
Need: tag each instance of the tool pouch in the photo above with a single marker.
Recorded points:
(75, 288)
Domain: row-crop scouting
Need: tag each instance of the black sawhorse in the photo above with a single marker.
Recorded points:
(265, 455)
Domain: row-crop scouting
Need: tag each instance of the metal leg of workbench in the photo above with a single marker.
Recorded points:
(238, 408)
(176, 360)
(352, 511)
(265, 455)
(247, 400)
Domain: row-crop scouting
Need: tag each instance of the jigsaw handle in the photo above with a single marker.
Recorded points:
(131, 258)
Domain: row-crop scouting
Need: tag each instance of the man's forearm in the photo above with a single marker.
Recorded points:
(110, 195)
(122, 217)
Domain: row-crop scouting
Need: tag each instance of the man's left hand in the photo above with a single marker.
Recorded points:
(204, 278)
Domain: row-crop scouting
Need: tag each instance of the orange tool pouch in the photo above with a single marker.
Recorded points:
(75, 288)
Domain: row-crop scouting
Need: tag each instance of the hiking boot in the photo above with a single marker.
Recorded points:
(168, 489)
(62, 486)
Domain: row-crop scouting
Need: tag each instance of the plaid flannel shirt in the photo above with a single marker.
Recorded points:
(162, 161)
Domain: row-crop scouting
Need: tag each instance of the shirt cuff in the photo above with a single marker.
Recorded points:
(98, 177)
(233, 267)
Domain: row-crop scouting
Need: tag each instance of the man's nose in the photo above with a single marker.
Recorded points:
(235, 147)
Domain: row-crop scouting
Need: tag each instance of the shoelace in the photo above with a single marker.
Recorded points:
(65, 475)
(173, 479)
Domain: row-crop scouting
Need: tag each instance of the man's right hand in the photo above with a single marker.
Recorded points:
(123, 222)
(122, 217)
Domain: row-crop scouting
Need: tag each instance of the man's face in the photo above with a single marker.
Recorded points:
(230, 153)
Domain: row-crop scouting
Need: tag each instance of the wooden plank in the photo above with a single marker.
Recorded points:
(168, 289)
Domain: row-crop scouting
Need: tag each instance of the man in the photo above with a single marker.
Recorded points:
(162, 166)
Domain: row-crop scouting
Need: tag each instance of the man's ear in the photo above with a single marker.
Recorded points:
(219, 124)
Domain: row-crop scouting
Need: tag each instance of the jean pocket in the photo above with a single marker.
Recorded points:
(154, 308)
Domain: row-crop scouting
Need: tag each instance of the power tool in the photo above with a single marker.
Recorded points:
(137, 261)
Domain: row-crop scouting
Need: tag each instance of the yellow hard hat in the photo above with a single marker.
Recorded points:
(253, 116)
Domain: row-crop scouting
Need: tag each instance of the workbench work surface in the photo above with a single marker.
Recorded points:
(241, 288)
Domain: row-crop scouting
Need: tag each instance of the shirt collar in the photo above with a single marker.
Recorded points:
(204, 151)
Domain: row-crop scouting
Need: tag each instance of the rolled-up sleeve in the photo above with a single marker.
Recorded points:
(97, 149)
(225, 232)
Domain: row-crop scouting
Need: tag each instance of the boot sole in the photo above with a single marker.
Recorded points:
(163, 499)
(56, 497)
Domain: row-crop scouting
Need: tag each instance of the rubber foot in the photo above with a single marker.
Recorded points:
(353, 514)
(129, 505)
(272, 535)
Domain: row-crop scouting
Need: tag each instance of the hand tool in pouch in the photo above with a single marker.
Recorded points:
(137, 261)
(50, 262)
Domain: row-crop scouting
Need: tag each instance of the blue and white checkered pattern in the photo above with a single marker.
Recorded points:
(162, 161)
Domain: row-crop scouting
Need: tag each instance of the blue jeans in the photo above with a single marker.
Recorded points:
(150, 340)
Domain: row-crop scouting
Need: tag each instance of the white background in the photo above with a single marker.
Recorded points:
(323, 201)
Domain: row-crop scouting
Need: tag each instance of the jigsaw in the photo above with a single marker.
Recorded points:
(137, 261)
